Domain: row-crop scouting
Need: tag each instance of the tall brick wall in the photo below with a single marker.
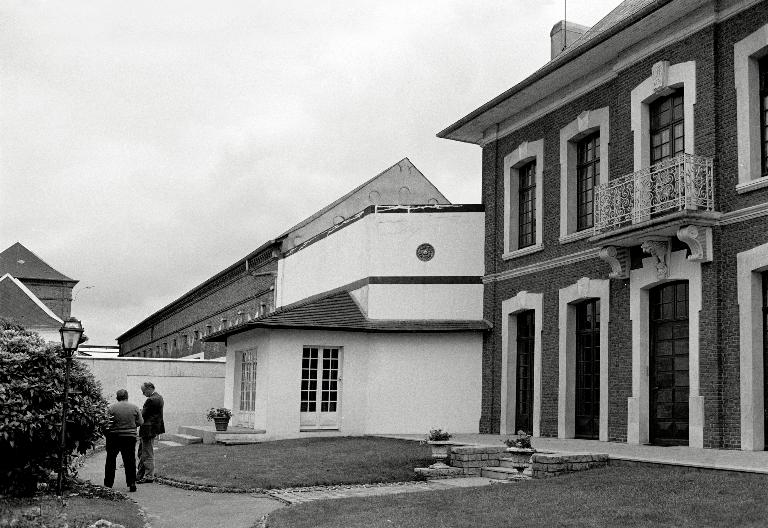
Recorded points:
(715, 137)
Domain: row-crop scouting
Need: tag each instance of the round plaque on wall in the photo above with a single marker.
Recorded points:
(425, 252)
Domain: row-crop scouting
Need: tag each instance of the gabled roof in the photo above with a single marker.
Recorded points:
(19, 304)
(23, 264)
(339, 311)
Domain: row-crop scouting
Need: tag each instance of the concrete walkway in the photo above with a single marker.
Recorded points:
(720, 459)
(168, 507)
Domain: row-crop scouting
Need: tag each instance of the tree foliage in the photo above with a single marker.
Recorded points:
(31, 393)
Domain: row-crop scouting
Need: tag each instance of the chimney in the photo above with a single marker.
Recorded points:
(564, 34)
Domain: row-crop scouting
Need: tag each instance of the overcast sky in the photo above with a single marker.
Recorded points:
(147, 145)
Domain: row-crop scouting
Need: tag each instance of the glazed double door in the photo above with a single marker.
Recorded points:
(524, 372)
(669, 377)
(587, 420)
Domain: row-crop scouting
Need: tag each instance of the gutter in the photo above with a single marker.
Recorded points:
(553, 65)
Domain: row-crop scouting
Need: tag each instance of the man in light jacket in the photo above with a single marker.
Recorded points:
(152, 412)
(124, 418)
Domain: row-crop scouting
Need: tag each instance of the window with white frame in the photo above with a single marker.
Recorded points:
(583, 166)
(523, 194)
(749, 69)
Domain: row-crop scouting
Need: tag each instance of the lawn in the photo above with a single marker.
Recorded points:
(300, 462)
(76, 512)
(613, 496)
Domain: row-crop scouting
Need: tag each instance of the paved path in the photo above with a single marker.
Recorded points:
(724, 459)
(168, 507)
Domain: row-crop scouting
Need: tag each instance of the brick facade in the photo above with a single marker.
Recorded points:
(715, 137)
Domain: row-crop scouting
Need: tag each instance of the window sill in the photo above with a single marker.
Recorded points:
(752, 185)
(522, 252)
(578, 235)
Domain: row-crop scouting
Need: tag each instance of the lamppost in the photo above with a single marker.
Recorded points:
(71, 331)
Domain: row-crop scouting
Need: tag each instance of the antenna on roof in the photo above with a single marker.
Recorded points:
(565, 25)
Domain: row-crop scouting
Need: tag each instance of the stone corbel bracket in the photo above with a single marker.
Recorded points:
(618, 259)
(699, 241)
(659, 249)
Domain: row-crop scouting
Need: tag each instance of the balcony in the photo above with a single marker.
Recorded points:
(655, 201)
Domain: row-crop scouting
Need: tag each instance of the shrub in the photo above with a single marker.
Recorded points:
(31, 389)
(438, 435)
(221, 412)
(523, 441)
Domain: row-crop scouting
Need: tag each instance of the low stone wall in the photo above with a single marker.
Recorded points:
(472, 459)
(551, 464)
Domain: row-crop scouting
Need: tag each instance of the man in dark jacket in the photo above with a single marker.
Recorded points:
(124, 418)
(153, 426)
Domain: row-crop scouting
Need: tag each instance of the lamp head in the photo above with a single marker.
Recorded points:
(70, 332)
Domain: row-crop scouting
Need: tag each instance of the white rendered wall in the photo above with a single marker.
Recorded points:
(390, 383)
(189, 388)
(425, 301)
(384, 244)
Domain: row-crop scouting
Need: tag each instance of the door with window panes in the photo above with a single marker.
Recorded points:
(320, 387)
(247, 403)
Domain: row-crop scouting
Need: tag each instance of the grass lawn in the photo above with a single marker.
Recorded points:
(77, 512)
(300, 462)
(613, 496)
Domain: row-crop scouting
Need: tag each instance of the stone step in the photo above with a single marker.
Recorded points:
(239, 438)
(183, 439)
(168, 443)
(502, 473)
(513, 463)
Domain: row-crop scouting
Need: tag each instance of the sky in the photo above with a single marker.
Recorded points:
(146, 146)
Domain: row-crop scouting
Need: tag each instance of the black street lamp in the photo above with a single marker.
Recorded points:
(71, 332)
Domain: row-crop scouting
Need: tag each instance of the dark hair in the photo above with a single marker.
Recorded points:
(148, 385)
(122, 395)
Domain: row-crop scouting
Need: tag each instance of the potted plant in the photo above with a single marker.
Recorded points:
(440, 443)
(220, 417)
(520, 448)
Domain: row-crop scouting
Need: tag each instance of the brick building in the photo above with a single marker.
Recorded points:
(245, 290)
(32, 293)
(638, 313)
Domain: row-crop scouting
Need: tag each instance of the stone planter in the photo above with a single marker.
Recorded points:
(520, 455)
(221, 422)
(440, 449)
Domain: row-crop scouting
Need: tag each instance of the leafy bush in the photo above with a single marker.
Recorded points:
(438, 435)
(523, 441)
(31, 389)
(221, 412)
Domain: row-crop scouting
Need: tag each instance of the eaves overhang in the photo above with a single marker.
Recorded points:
(568, 66)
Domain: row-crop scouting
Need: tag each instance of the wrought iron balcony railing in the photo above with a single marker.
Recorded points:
(677, 184)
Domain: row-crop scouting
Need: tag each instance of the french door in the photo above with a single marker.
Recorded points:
(320, 387)
(525, 343)
(247, 408)
(669, 378)
(588, 369)
(765, 354)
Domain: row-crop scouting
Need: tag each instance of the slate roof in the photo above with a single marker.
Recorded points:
(339, 311)
(21, 263)
(19, 304)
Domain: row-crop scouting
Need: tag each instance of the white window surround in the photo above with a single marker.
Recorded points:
(525, 152)
(638, 405)
(665, 78)
(749, 264)
(509, 308)
(584, 289)
(586, 123)
(746, 54)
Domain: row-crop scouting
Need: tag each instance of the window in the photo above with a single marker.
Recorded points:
(764, 116)
(750, 67)
(523, 195)
(527, 206)
(667, 127)
(765, 353)
(320, 387)
(587, 173)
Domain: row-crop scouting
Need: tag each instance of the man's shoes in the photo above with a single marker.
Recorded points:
(145, 480)
(132, 488)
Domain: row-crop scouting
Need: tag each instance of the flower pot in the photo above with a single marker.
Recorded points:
(520, 455)
(440, 448)
(221, 422)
